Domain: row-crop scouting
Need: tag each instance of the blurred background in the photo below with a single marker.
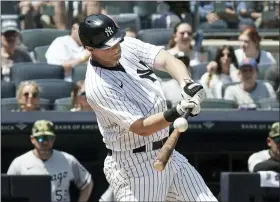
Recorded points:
(230, 47)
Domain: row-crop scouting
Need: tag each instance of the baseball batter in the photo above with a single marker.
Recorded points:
(132, 115)
(61, 166)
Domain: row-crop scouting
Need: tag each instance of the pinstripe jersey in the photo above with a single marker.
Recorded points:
(122, 95)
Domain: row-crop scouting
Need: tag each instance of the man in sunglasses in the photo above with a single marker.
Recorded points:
(10, 51)
(250, 90)
(44, 160)
(269, 159)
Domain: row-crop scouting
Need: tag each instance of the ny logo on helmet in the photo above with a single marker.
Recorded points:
(109, 31)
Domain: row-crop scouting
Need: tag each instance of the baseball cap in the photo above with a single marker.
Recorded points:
(274, 132)
(9, 25)
(43, 127)
(248, 62)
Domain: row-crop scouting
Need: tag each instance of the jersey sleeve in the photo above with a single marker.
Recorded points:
(146, 52)
(81, 176)
(114, 105)
(14, 168)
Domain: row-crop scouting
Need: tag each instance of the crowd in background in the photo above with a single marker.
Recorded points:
(244, 75)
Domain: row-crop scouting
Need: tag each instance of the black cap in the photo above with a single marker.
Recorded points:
(100, 32)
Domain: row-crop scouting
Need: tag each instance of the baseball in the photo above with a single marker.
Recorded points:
(181, 124)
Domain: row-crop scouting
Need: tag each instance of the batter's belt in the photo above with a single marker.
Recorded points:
(155, 146)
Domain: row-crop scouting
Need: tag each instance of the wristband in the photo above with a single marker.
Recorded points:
(171, 115)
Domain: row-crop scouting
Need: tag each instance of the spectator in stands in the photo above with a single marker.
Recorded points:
(130, 32)
(230, 14)
(61, 166)
(43, 14)
(222, 71)
(181, 42)
(249, 91)
(28, 97)
(10, 51)
(269, 159)
(79, 100)
(250, 48)
(68, 51)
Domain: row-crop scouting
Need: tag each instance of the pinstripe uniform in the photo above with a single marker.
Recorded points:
(119, 97)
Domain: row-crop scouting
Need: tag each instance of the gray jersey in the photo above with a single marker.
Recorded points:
(62, 167)
(256, 158)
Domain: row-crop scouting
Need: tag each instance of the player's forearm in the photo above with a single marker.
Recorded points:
(175, 67)
(156, 122)
(85, 193)
(149, 125)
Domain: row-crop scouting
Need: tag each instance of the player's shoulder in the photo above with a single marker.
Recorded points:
(263, 155)
(131, 42)
(63, 154)
(23, 157)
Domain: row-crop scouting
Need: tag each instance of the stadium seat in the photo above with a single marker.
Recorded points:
(53, 89)
(218, 103)
(198, 70)
(125, 20)
(8, 89)
(269, 103)
(29, 71)
(79, 72)
(211, 51)
(40, 53)
(159, 37)
(163, 75)
(9, 104)
(262, 70)
(33, 38)
(145, 8)
(227, 85)
(63, 104)
(117, 7)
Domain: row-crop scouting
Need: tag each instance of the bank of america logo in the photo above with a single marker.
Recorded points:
(208, 124)
(21, 126)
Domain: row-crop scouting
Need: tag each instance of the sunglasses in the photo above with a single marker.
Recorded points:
(229, 55)
(189, 33)
(34, 94)
(82, 94)
(44, 138)
(246, 70)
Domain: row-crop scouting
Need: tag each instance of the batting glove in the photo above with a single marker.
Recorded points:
(194, 94)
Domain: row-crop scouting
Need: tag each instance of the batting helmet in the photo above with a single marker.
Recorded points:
(100, 32)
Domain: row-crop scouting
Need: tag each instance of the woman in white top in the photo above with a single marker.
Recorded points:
(181, 42)
(250, 48)
(223, 71)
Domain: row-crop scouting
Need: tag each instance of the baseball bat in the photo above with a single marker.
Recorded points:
(168, 147)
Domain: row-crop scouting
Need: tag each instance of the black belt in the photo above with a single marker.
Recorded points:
(156, 145)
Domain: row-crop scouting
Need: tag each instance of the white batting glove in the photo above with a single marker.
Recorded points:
(194, 94)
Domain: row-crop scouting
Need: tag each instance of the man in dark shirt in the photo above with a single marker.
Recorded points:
(267, 160)
(10, 52)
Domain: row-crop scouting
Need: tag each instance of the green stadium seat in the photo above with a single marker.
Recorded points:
(262, 70)
(269, 103)
(79, 72)
(156, 36)
(29, 71)
(40, 53)
(198, 70)
(53, 89)
(63, 104)
(9, 104)
(8, 89)
(218, 103)
(162, 75)
(33, 38)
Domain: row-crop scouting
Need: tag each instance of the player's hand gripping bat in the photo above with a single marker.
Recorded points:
(168, 147)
